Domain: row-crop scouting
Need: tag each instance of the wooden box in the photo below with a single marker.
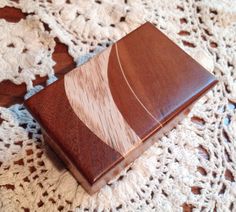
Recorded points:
(102, 115)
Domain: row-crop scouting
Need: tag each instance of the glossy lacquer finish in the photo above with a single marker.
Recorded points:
(102, 115)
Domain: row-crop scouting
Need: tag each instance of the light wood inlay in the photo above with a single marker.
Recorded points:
(87, 89)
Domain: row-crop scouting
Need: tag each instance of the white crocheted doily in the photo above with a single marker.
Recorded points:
(193, 166)
(26, 51)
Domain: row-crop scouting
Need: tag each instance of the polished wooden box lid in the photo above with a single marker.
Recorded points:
(104, 114)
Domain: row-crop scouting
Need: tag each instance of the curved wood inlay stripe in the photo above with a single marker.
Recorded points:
(131, 109)
(87, 89)
(130, 87)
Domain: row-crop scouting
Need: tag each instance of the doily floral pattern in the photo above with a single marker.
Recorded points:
(26, 51)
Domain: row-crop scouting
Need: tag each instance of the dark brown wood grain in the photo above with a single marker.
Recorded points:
(152, 70)
(91, 156)
(125, 100)
(11, 93)
(164, 77)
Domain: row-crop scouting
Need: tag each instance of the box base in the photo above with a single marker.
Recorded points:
(116, 169)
